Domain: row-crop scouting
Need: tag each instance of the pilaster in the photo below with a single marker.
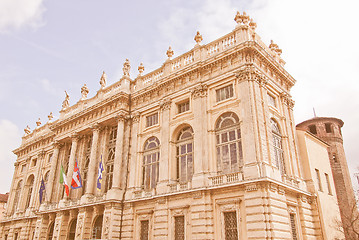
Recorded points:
(165, 106)
(54, 162)
(200, 129)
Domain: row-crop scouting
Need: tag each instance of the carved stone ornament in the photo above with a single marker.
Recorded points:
(38, 122)
(287, 99)
(199, 91)
(50, 117)
(79, 225)
(250, 73)
(27, 130)
(103, 80)
(66, 102)
(274, 47)
(169, 52)
(252, 24)
(165, 104)
(198, 38)
(84, 92)
(136, 117)
(126, 68)
(141, 69)
(241, 19)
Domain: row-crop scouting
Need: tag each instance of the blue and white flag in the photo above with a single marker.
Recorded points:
(42, 189)
(99, 177)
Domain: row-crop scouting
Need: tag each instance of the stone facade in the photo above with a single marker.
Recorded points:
(204, 147)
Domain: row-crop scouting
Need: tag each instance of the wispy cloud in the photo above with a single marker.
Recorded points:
(9, 139)
(15, 14)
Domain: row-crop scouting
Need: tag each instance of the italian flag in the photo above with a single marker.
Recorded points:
(63, 181)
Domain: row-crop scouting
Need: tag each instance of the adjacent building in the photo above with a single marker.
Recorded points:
(204, 147)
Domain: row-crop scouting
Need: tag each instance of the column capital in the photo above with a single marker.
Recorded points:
(96, 127)
(136, 117)
(199, 91)
(121, 117)
(56, 144)
(41, 153)
(75, 137)
(250, 73)
(165, 104)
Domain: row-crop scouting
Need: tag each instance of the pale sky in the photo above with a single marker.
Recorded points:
(49, 46)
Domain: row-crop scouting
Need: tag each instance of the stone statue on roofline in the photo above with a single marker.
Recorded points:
(126, 68)
(103, 80)
(84, 92)
(27, 130)
(66, 102)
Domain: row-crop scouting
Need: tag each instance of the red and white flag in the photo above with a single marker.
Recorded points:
(76, 177)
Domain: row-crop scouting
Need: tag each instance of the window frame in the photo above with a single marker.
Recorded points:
(180, 143)
(147, 167)
(149, 120)
(277, 147)
(221, 93)
(187, 105)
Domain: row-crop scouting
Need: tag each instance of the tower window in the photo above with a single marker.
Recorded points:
(318, 180)
(313, 129)
(328, 128)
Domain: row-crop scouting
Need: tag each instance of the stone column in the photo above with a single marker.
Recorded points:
(200, 129)
(80, 225)
(75, 139)
(60, 228)
(93, 161)
(165, 147)
(134, 163)
(115, 192)
(54, 161)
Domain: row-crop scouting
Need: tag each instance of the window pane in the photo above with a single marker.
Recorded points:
(224, 137)
(232, 135)
(144, 230)
(234, 160)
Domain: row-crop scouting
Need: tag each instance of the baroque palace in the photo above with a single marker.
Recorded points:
(204, 147)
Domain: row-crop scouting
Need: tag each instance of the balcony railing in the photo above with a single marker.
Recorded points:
(226, 178)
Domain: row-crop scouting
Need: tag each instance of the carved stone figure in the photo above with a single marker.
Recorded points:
(198, 38)
(38, 122)
(27, 130)
(66, 102)
(103, 80)
(126, 68)
(50, 116)
(141, 69)
(84, 92)
(169, 52)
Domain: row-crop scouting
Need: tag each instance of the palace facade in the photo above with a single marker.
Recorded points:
(204, 147)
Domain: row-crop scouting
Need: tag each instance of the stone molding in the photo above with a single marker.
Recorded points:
(165, 104)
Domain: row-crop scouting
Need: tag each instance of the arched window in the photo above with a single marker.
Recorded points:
(29, 186)
(277, 147)
(46, 178)
(85, 168)
(50, 233)
(110, 158)
(72, 230)
(184, 155)
(229, 144)
(97, 228)
(151, 156)
(17, 196)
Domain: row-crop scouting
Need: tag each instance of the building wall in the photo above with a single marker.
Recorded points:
(237, 90)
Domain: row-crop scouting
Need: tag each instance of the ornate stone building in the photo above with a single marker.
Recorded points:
(204, 147)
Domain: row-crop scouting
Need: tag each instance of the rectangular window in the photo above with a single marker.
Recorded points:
(224, 93)
(328, 184)
(144, 230)
(230, 225)
(152, 120)
(293, 226)
(179, 228)
(271, 100)
(183, 107)
(318, 180)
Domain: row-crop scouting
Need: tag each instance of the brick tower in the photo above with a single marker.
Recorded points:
(328, 129)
